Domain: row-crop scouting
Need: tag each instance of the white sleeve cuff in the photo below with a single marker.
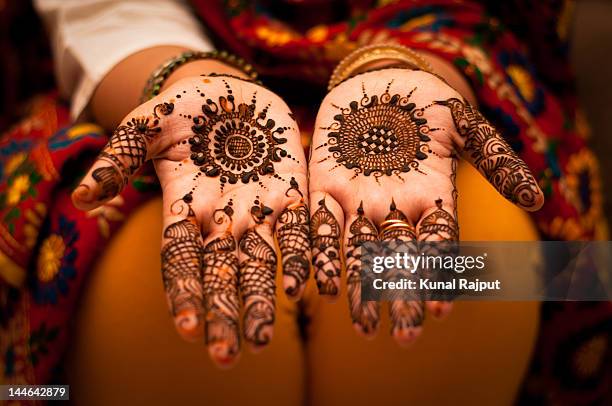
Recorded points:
(90, 37)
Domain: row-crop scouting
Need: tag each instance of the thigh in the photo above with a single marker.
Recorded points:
(126, 351)
(477, 355)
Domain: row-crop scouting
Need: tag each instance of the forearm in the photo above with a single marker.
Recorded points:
(120, 90)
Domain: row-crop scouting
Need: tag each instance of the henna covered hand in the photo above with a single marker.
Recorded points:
(229, 159)
(385, 148)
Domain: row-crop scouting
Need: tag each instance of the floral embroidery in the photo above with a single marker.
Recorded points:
(275, 35)
(477, 57)
(520, 75)
(12, 151)
(39, 341)
(431, 18)
(522, 80)
(589, 357)
(439, 41)
(17, 189)
(50, 258)
(34, 219)
(14, 162)
(318, 33)
(581, 186)
(56, 262)
(19, 185)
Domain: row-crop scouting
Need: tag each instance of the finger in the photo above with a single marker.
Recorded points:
(406, 315)
(359, 230)
(220, 282)
(406, 320)
(326, 223)
(181, 258)
(438, 224)
(257, 282)
(439, 309)
(292, 228)
(486, 149)
(123, 155)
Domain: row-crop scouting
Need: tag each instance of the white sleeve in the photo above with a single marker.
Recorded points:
(89, 37)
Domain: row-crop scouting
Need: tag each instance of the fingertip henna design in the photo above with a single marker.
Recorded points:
(181, 259)
(406, 315)
(325, 235)
(361, 231)
(257, 283)
(492, 155)
(221, 291)
(438, 233)
(294, 245)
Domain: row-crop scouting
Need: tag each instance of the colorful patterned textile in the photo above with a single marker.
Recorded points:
(47, 247)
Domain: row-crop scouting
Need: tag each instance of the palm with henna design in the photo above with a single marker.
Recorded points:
(229, 159)
(383, 167)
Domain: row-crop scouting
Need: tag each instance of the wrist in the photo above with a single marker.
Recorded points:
(384, 56)
(203, 67)
(119, 91)
(194, 63)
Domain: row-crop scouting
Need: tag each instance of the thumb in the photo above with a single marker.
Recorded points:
(123, 155)
(485, 148)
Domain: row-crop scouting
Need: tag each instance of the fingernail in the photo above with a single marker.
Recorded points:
(407, 336)
(442, 309)
(82, 193)
(222, 354)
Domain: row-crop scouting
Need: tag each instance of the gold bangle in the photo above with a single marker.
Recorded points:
(372, 53)
(159, 76)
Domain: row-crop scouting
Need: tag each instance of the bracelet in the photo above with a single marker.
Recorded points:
(371, 53)
(159, 76)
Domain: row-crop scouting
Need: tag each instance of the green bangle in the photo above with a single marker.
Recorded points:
(159, 76)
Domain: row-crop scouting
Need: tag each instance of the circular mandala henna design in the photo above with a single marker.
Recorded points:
(235, 142)
(379, 135)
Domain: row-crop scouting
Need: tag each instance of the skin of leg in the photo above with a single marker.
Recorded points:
(477, 355)
(126, 350)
